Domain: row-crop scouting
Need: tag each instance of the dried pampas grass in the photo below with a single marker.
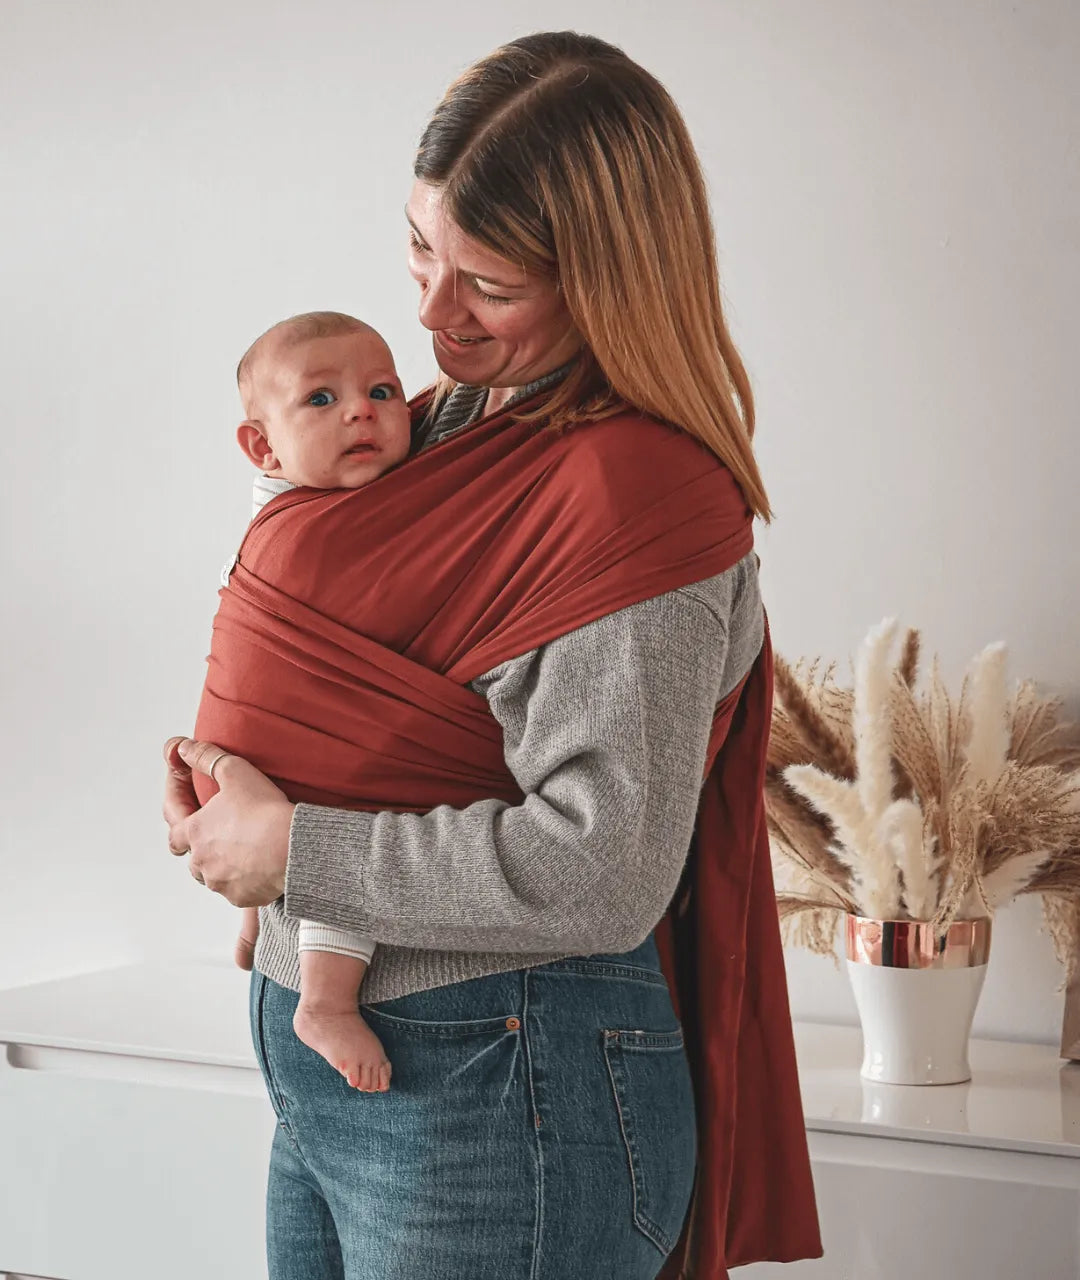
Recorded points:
(896, 803)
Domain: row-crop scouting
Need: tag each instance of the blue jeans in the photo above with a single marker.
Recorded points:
(539, 1126)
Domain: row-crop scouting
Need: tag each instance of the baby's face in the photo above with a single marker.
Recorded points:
(331, 409)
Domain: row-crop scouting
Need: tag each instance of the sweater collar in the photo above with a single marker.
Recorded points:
(465, 405)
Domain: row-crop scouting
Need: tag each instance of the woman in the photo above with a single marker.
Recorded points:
(601, 597)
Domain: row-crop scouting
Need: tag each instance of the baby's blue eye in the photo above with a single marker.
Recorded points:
(320, 399)
(384, 391)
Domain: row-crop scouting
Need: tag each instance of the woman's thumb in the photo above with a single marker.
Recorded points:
(201, 757)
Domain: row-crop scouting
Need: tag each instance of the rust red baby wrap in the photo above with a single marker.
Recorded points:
(341, 655)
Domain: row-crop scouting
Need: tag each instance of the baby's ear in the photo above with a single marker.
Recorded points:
(252, 440)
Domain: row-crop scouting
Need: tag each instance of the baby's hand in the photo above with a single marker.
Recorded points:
(249, 933)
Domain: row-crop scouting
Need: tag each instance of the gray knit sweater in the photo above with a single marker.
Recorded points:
(605, 731)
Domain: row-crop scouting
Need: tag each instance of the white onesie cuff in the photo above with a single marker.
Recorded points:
(342, 942)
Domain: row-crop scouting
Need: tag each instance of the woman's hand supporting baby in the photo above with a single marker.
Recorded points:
(238, 840)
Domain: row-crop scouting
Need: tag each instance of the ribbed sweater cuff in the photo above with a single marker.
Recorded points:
(324, 876)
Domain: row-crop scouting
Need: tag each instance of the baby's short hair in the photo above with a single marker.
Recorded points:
(301, 328)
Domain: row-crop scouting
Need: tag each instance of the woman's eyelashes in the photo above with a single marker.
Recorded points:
(488, 297)
(418, 246)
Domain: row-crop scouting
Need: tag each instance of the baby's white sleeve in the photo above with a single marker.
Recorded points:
(342, 942)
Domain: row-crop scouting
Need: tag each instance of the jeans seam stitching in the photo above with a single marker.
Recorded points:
(441, 1030)
(538, 1232)
(628, 973)
(271, 1084)
(652, 1230)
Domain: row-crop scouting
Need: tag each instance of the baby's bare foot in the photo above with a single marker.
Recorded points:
(347, 1042)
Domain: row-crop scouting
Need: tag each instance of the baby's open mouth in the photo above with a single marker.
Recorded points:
(365, 446)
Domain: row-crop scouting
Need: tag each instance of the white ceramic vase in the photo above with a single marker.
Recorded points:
(916, 993)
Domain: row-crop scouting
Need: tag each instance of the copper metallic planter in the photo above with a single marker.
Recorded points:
(916, 991)
(913, 944)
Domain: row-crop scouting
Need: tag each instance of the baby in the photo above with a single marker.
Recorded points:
(324, 410)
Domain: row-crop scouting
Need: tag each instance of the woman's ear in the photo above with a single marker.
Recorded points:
(251, 438)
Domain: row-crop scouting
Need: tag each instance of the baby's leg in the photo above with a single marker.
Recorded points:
(327, 1018)
(249, 935)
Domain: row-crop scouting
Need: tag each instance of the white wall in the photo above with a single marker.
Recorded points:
(897, 207)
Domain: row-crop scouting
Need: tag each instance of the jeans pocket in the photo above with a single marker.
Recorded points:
(650, 1080)
(376, 1014)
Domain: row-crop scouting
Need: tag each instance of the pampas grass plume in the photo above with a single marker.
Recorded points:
(989, 732)
(892, 803)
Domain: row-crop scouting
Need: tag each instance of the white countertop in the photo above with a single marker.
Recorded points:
(183, 1011)
(1021, 1097)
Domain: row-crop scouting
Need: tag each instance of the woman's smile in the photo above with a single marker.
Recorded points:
(455, 341)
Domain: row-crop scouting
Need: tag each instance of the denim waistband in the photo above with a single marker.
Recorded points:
(643, 964)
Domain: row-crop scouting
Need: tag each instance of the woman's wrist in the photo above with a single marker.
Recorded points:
(324, 871)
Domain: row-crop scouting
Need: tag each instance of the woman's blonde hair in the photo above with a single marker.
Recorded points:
(559, 152)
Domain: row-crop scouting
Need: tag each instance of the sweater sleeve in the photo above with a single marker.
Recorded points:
(605, 730)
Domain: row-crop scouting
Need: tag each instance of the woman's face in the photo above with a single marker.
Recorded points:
(494, 323)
